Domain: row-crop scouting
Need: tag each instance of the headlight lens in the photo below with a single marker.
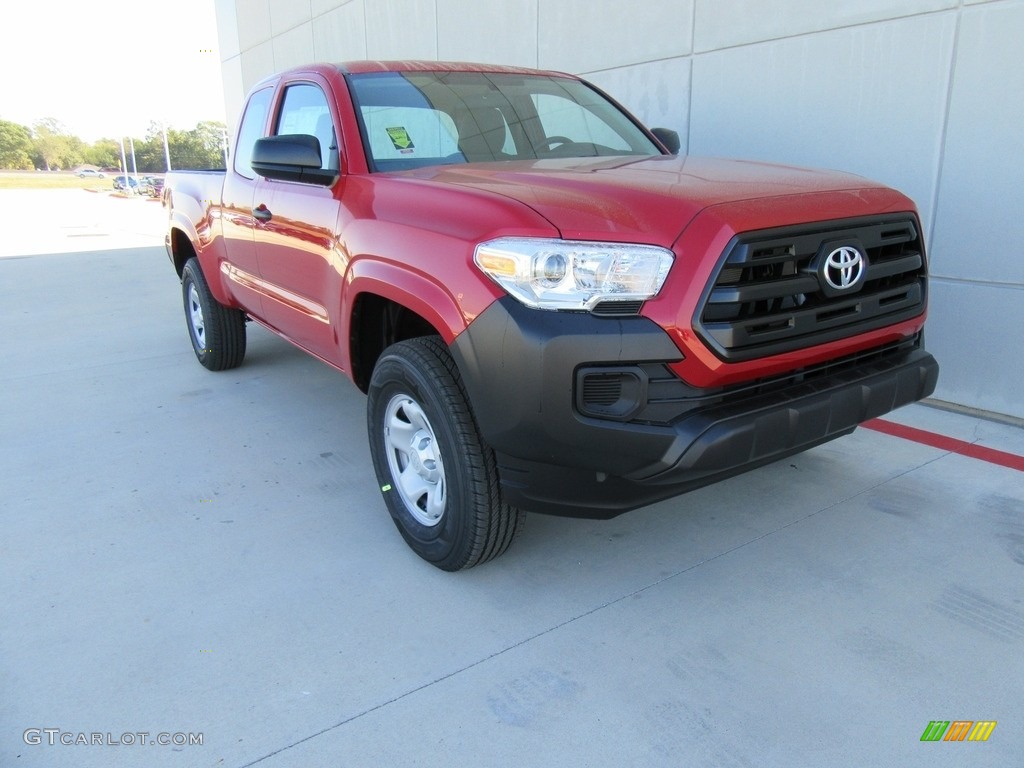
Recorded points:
(568, 274)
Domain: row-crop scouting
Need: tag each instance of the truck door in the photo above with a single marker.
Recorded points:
(237, 220)
(295, 243)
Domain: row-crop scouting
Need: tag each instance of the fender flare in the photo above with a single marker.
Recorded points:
(181, 223)
(208, 261)
(413, 290)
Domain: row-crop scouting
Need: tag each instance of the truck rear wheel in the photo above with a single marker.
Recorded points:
(437, 476)
(217, 332)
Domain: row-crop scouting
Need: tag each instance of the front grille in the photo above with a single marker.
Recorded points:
(769, 295)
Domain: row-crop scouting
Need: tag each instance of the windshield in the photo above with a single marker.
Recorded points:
(416, 119)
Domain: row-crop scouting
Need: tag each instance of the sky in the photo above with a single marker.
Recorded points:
(108, 68)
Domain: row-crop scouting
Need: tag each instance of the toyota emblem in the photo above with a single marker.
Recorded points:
(843, 268)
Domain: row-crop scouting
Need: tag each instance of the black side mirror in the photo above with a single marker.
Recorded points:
(668, 138)
(292, 157)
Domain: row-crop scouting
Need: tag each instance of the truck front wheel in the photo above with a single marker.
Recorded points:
(437, 476)
(217, 332)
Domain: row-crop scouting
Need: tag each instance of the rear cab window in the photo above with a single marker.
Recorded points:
(253, 122)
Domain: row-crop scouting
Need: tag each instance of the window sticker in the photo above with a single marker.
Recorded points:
(400, 138)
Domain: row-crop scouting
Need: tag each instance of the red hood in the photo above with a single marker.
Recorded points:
(646, 200)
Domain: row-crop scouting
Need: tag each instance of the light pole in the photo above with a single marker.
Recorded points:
(135, 170)
(124, 164)
(167, 151)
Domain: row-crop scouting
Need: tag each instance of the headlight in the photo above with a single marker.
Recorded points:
(568, 274)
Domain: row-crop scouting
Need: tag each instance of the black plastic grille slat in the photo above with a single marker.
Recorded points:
(602, 389)
(760, 291)
(805, 322)
(613, 308)
(767, 297)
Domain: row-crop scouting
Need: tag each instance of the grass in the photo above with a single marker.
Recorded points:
(52, 180)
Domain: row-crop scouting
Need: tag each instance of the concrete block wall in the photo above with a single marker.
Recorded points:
(925, 95)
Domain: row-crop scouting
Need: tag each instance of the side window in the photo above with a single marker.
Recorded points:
(253, 120)
(305, 110)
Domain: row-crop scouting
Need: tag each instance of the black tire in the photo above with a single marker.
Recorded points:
(217, 332)
(438, 477)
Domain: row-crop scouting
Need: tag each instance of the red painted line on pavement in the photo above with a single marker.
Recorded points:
(942, 442)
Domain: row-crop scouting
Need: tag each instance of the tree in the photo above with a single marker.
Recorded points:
(15, 146)
(149, 155)
(54, 147)
(74, 152)
(149, 152)
(104, 153)
(198, 148)
(49, 145)
(211, 135)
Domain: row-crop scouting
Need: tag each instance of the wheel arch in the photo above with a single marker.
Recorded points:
(376, 322)
(389, 303)
(181, 249)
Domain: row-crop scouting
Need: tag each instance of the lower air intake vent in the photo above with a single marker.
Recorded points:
(602, 389)
(605, 393)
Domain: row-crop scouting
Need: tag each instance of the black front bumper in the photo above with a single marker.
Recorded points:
(521, 367)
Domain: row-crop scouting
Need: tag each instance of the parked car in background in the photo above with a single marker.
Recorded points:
(91, 173)
(151, 185)
(126, 182)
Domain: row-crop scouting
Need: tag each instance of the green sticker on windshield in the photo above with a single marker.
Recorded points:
(400, 138)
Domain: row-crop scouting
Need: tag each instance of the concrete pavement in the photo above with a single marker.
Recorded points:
(41, 221)
(187, 553)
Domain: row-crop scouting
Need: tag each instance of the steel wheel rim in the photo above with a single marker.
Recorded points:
(195, 314)
(414, 458)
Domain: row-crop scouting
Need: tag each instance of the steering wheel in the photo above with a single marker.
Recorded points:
(550, 142)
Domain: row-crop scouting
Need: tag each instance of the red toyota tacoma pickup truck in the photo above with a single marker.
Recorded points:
(547, 308)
